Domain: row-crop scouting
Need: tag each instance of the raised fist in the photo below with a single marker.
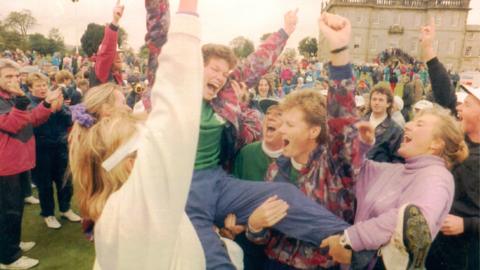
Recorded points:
(336, 29)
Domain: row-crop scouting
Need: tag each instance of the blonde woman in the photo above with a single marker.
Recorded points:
(133, 178)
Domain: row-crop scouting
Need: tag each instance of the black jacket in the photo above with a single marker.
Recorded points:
(388, 137)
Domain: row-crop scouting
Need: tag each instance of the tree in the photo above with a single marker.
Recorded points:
(265, 36)
(56, 40)
(20, 21)
(54, 34)
(93, 35)
(308, 47)
(10, 40)
(242, 47)
(40, 43)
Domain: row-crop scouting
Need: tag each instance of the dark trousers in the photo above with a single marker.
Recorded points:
(11, 213)
(214, 194)
(52, 163)
(26, 182)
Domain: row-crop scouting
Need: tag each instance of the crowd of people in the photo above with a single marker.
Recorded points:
(203, 161)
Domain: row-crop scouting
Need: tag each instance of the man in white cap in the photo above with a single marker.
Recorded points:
(457, 247)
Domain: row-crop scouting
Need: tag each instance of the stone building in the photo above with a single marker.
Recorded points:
(381, 24)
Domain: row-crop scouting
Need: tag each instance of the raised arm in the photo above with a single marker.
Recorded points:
(158, 185)
(158, 22)
(108, 48)
(442, 88)
(345, 150)
(259, 62)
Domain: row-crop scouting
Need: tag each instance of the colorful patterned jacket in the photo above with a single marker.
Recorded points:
(328, 176)
(245, 126)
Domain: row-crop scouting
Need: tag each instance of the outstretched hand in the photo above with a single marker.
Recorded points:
(290, 21)
(117, 12)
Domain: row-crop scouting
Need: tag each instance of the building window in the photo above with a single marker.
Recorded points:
(438, 20)
(376, 19)
(451, 47)
(470, 36)
(468, 51)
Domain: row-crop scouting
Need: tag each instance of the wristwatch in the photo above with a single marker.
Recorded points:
(344, 243)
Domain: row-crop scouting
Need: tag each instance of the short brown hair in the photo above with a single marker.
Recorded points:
(34, 77)
(63, 75)
(210, 51)
(314, 108)
(384, 89)
(83, 82)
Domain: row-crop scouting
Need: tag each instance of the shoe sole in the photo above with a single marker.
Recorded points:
(416, 237)
(64, 217)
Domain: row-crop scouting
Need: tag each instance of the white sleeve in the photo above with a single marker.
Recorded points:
(140, 223)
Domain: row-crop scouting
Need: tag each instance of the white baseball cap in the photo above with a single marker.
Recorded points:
(474, 91)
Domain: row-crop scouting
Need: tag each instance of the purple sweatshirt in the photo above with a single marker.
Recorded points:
(382, 188)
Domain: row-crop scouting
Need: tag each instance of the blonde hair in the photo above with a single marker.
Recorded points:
(99, 98)
(89, 147)
(34, 77)
(449, 130)
(210, 51)
(313, 105)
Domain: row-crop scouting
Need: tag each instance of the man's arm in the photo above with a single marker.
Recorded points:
(442, 88)
(259, 62)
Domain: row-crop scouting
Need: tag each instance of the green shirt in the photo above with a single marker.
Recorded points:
(208, 149)
(252, 163)
(293, 176)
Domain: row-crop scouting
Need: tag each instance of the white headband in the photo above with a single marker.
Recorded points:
(123, 151)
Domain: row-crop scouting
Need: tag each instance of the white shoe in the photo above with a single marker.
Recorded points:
(26, 246)
(23, 262)
(31, 200)
(70, 215)
(52, 222)
(409, 245)
(33, 185)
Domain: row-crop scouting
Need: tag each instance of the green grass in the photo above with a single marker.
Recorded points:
(65, 248)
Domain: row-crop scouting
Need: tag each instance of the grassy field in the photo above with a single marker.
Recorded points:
(65, 248)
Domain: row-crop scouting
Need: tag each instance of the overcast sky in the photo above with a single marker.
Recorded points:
(222, 20)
